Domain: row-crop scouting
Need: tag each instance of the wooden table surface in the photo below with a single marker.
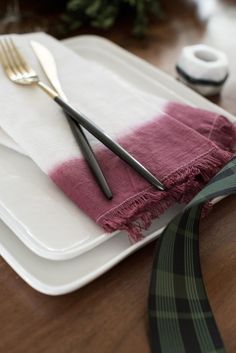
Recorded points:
(110, 314)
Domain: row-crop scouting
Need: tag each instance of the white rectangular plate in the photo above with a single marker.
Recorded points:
(97, 252)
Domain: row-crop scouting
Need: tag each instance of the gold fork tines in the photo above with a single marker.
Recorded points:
(18, 59)
(6, 59)
(17, 69)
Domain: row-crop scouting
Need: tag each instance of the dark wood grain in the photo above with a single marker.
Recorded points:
(110, 314)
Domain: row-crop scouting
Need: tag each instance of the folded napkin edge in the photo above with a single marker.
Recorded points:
(136, 214)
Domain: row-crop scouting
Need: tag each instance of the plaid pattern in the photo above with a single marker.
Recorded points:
(181, 319)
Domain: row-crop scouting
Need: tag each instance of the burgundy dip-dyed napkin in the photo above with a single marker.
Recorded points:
(182, 146)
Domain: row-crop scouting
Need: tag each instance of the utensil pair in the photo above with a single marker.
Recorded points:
(19, 72)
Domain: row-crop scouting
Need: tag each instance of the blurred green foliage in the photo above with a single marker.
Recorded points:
(104, 13)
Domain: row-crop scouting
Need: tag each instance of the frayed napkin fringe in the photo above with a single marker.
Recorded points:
(136, 215)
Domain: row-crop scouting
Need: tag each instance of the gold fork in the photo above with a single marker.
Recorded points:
(18, 71)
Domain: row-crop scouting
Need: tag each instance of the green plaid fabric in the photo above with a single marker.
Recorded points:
(181, 319)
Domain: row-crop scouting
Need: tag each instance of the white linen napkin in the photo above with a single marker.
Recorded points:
(33, 124)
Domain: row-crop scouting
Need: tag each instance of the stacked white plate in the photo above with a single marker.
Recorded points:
(44, 237)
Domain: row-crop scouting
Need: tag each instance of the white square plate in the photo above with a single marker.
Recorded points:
(27, 196)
